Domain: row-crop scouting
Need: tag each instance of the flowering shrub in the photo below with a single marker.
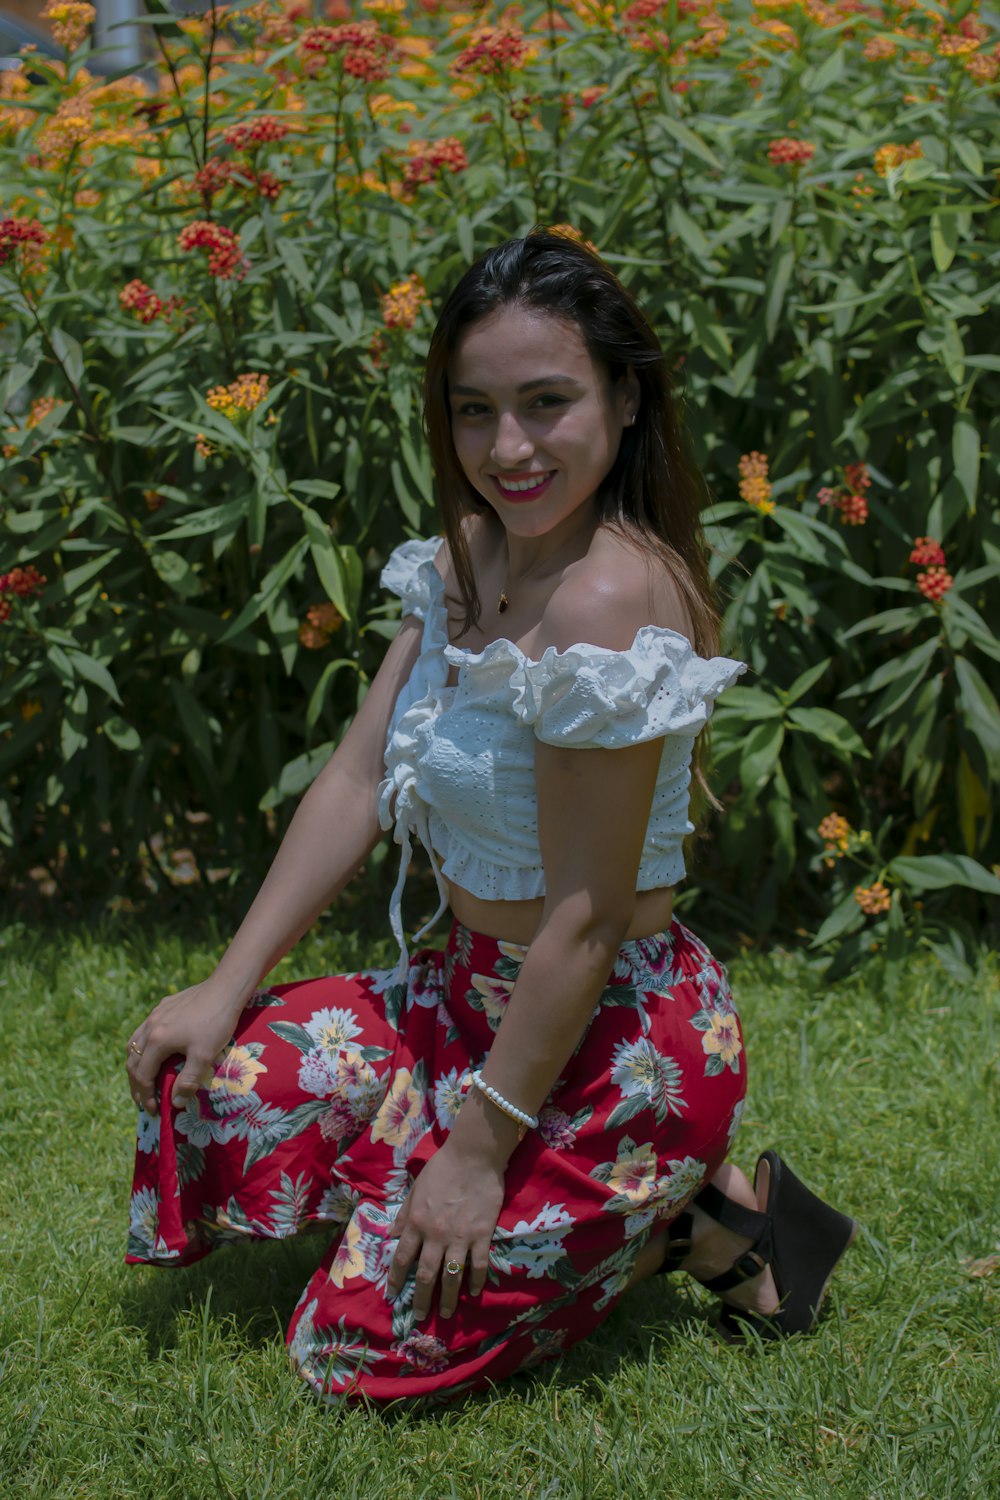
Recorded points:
(216, 286)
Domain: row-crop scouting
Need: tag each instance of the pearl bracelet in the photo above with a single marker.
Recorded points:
(526, 1121)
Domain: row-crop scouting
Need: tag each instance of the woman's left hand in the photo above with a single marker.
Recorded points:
(447, 1220)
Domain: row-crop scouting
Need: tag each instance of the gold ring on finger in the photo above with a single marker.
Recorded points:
(134, 1049)
(453, 1268)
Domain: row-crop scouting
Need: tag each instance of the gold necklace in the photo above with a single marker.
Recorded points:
(503, 603)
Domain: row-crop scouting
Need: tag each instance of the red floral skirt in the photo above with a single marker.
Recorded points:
(333, 1094)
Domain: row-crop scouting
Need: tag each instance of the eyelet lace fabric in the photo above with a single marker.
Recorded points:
(459, 760)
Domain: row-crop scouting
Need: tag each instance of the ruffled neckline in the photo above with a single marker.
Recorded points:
(466, 658)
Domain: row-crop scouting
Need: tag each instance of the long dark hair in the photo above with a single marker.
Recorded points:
(654, 492)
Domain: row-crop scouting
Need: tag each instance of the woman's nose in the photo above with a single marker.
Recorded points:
(511, 444)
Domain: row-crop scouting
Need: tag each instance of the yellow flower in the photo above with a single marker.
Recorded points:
(30, 708)
(724, 1038)
(634, 1176)
(494, 994)
(835, 832)
(873, 899)
(398, 1112)
(893, 155)
(349, 1260)
(755, 488)
(237, 1072)
(242, 395)
(70, 21)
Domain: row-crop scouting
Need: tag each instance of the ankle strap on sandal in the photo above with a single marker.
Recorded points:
(745, 1221)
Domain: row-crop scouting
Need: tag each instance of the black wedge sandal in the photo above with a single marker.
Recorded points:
(798, 1235)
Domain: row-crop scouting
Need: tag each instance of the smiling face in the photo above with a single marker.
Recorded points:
(536, 423)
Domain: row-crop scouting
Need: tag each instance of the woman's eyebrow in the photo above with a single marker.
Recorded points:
(529, 385)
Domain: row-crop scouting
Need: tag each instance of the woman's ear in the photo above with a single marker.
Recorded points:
(631, 394)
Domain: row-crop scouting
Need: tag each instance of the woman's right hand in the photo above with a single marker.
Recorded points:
(196, 1022)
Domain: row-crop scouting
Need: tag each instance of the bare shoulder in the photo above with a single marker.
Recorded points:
(606, 598)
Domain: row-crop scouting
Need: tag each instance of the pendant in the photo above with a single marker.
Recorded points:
(503, 602)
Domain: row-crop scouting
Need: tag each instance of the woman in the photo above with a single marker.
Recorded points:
(512, 1132)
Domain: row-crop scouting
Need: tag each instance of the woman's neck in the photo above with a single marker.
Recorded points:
(528, 557)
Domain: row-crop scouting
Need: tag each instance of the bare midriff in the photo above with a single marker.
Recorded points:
(518, 921)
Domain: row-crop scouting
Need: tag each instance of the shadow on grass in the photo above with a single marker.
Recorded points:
(253, 1290)
(254, 1287)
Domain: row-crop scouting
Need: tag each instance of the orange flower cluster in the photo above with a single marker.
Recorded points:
(320, 624)
(20, 583)
(14, 85)
(879, 49)
(430, 161)
(873, 899)
(927, 553)
(226, 260)
(41, 407)
(262, 130)
(493, 51)
(787, 152)
(755, 488)
(24, 233)
(70, 21)
(982, 69)
(887, 157)
(835, 832)
(241, 396)
(849, 499)
(364, 49)
(402, 303)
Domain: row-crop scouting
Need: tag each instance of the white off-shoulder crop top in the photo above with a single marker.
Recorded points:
(460, 760)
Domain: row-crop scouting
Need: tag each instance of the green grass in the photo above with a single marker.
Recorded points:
(174, 1384)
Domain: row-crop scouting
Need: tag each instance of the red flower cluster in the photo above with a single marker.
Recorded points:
(140, 299)
(365, 49)
(850, 500)
(218, 173)
(786, 152)
(927, 553)
(21, 582)
(433, 160)
(249, 134)
(225, 258)
(935, 581)
(494, 50)
(15, 232)
(934, 584)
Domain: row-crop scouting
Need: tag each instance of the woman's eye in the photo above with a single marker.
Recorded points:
(549, 400)
(471, 409)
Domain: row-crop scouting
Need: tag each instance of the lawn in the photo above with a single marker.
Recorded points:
(175, 1385)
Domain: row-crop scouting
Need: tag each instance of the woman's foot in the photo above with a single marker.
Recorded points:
(715, 1249)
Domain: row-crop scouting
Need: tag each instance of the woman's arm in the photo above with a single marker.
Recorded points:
(593, 808)
(333, 831)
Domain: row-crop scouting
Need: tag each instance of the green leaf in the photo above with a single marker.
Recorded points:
(944, 239)
(778, 278)
(846, 916)
(711, 335)
(749, 703)
(968, 154)
(937, 872)
(297, 775)
(273, 581)
(965, 456)
(832, 729)
(981, 710)
(327, 561)
(196, 723)
(760, 752)
(686, 137)
(95, 672)
(806, 680)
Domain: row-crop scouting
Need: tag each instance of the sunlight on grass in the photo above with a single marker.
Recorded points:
(141, 1382)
